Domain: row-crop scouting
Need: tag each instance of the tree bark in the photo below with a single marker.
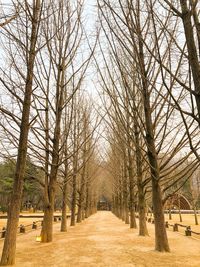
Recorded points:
(161, 241)
(142, 214)
(47, 226)
(179, 209)
(133, 223)
(64, 209)
(195, 216)
(87, 201)
(73, 205)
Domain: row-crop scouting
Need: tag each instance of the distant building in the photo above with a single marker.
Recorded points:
(103, 204)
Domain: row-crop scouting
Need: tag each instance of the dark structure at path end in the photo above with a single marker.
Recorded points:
(103, 204)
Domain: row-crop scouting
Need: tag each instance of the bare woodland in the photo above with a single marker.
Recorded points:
(136, 143)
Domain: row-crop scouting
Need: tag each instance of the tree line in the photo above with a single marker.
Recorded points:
(146, 57)
(149, 79)
(46, 114)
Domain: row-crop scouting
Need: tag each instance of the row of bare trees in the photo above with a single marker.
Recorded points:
(45, 112)
(150, 89)
(148, 69)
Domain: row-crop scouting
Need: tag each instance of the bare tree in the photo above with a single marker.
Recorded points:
(31, 15)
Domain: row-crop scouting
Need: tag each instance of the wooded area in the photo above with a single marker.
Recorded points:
(104, 110)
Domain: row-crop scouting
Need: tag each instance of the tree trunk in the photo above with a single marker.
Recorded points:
(195, 215)
(73, 205)
(87, 201)
(50, 186)
(81, 195)
(120, 206)
(64, 210)
(123, 211)
(47, 226)
(179, 210)
(127, 213)
(117, 206)
(133, 223)
(170, 213)
(79, 214)
(142, 214)
(141, 196)
(83, 214)
(161, 241)
(63, 227)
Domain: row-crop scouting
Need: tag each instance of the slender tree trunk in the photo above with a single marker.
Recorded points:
(123, 210)
(63, 227)
(73, 205)
(118, 206)
(127, 221)
(142, 214)
(132, 203)
(141, 196)
(133, 223)
(125, 195)
(9, 248)
(87, 201)
(89, 205)
(79, 212)
(47, 226)
(170, 213)
(179, 210)
(121, 206)
(115, 205)
(161, 240)
(82, 189)
(80, 205)
(75, 166)
(170, 208)
(83, 214)
(195, 214)
(64, 209)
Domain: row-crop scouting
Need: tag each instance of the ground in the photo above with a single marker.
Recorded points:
(104, 240)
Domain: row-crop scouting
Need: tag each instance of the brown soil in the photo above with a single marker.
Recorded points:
(104, 240)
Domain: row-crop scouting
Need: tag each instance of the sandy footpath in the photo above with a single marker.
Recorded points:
(104, 240)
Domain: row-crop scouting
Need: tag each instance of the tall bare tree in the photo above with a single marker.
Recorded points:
(31, 15)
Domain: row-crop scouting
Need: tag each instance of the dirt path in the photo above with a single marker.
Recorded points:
(104, 240)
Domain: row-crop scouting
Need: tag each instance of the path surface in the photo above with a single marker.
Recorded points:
(104, 240)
